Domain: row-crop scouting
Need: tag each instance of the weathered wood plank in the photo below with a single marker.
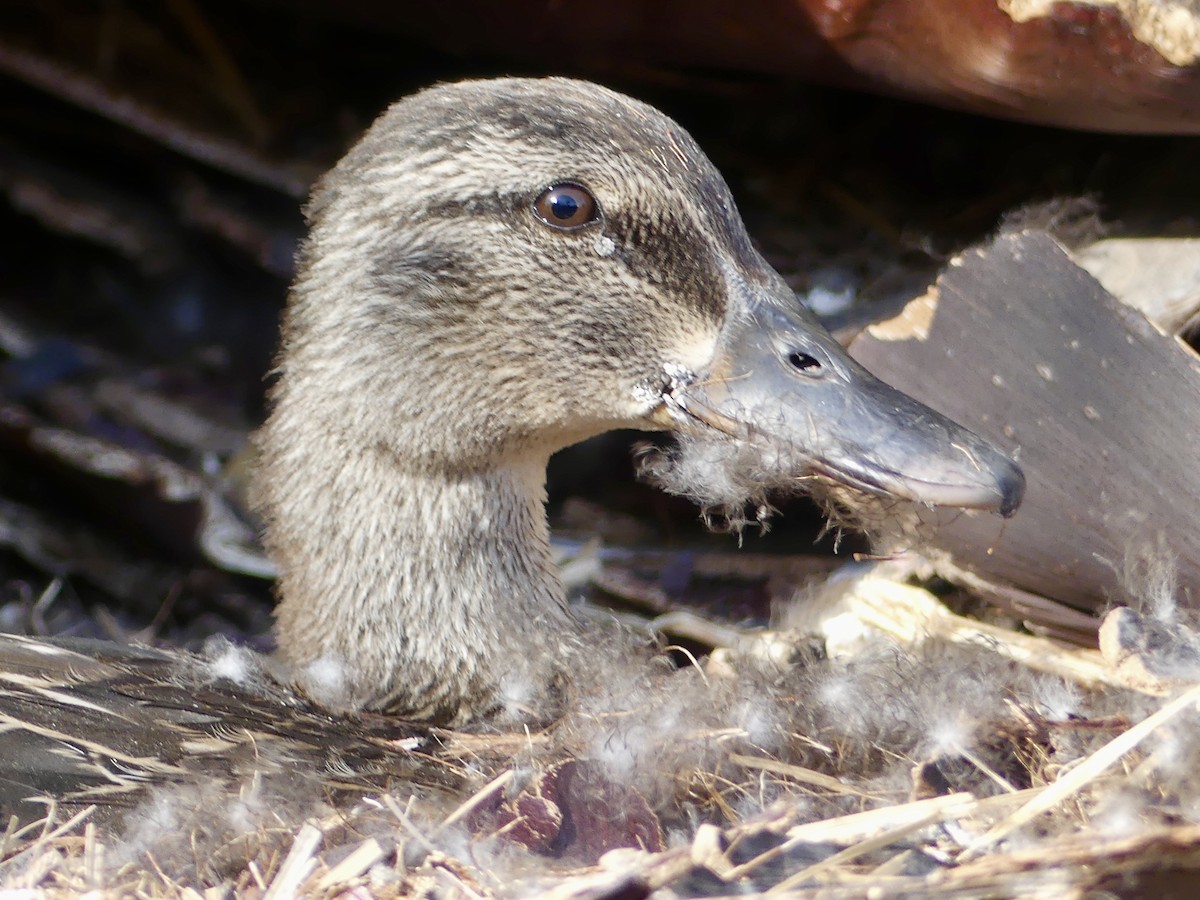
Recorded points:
(1101, 407)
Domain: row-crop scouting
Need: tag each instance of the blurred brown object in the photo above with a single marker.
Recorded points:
(1126, 66)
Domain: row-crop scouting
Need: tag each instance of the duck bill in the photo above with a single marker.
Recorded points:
(780, 381)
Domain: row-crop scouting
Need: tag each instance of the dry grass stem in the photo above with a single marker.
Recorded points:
(1083, 772)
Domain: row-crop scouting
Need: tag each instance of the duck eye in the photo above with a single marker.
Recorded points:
(566, 207)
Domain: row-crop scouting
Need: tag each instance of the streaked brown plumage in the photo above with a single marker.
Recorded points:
(443, 340)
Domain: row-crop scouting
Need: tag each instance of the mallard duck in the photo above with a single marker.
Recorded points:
(498, 269)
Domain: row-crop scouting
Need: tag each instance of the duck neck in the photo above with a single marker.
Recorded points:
(424, 593)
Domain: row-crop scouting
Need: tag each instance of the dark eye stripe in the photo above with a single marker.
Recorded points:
(566, 207)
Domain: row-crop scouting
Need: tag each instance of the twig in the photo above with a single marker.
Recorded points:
(73, 86)
(236, 94)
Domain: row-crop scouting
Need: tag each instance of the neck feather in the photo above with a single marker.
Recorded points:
(419, 593)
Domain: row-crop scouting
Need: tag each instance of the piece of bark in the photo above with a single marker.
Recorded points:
(1094, 64)
(1101, 408)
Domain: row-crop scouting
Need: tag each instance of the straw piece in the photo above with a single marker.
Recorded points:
(362, 858)
(796, 773)
(879, 841)
(861, 826)
(1080, 775)
(299, 863)
(465, 808)
(912, 615)
(858, 827)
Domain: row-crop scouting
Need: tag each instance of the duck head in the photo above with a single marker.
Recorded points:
(499, 269)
